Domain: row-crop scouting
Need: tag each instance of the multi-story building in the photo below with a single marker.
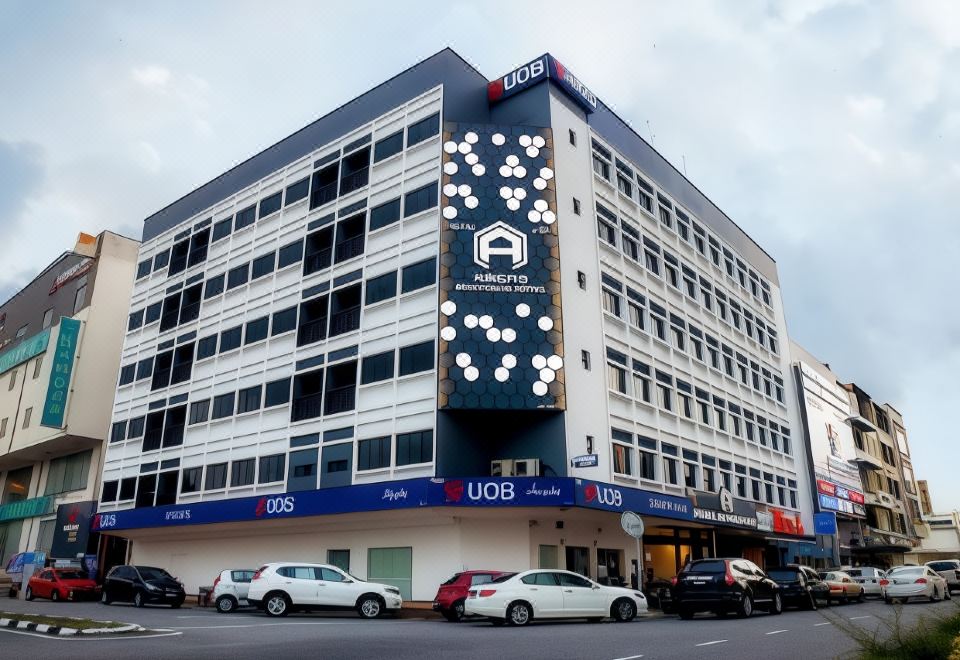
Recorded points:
(454, 323)
(60, 339)
(890, 530)
(926, 504)
(916, 526)
(828, 436)
(942, 541)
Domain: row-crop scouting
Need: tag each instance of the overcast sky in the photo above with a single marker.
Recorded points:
(830, 131)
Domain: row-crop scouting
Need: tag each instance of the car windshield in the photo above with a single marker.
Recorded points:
(943, 565)
(783, 574)
(828, 576)
(855, 572)
(451, 580)
(148, 573)
(71, 575)
(502, 578)
(710, 566)
(907, 570)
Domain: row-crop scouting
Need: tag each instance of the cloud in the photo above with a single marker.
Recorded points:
(21, 172)
(152, 77)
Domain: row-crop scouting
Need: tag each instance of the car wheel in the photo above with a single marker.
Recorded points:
(370, 607)
(843, 599)
(624, 611)
(55, 595)
(105, 599)
(226, 604)
(776, 607)
(28, 594)
(685, 614)
(947, 595)
(519, 614)
(456, 614)
(887, 600)
(860, 597)
(139, 600)
(277, 604)
(933, 598)
(746, 607)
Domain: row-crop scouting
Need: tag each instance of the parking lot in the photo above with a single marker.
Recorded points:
(202, 633)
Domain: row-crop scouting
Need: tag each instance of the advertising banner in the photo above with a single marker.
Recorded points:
(72, 530)
(609, 497)
(55, 405)
(27, 349)
(501, 331)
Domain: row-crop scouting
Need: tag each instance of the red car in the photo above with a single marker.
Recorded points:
(62, 584)
(452, 593)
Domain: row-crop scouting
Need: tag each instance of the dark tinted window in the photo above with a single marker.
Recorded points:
(708, 566)
(241, 473)
(206, 347)
(257, 330)
(290, 254)
(135, 320)
(541, 579)
(944, 566)
(153, 312)
(127, 374)
(249, 399)
(192, 480)
(230, 339)
(423, 129)
(416, 447)
(419, 275)
(284, 321)
(161, 260)
(245, 218)
(216, 476)
(109, 493)
(278, 392)
(144, 268)
(128, 488)
(264, 265)
(199, 411)
(272, 468)
(223, 405)
(135, 428)
(381, 287)
(238, 276)
(385, 214)
(416, 358)
(222, 229)
(783, 574)
(270, 204)
(145, 368)
(297, 191)
(420, 200)
(388, 146)
(377, 367)
(214, 286)
(373, 453)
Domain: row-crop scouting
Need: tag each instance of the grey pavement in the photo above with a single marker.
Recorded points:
(202, 633)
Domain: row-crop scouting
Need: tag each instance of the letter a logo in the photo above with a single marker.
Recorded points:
(489, 242)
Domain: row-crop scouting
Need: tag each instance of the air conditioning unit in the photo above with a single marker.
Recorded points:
(520, 467)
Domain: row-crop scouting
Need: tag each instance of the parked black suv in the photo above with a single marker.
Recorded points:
(141, 585)
(800, 586)
(724, 586)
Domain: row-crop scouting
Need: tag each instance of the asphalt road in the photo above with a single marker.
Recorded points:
(202, 633)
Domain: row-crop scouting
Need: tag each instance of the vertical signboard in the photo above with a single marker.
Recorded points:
(501, 332)
(72, 530)
(60, 373)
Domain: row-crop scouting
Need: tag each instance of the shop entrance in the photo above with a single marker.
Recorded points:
(578, 560)
(610, 566)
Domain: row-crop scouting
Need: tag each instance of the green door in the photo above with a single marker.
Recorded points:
(393, 566)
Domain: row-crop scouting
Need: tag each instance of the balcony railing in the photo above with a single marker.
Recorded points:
(350, 248)
(311, 332)
(354, 181)
(307, 407)
(317, 261)
(181, 373)
(340, 399)
(323, 195)
(345, 321)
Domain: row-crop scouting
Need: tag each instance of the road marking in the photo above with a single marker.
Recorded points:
(288, 623)
(776, 632)
(629, 657)
(868, 616)
(716, 641)
(822, 624)
(77, 638)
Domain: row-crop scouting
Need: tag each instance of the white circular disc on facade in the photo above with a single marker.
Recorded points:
(450, 168)
(464, 148)
(546, 173)
(464, 190)
(450, 146)
(479, 170)
(471, 373)
(549, 217)
(519, 193)
(512, 160)
(493, 335)
(449, 212)
(471, 137)
(541, 205)
(533, 152)
(547, 375)
(506, 192)
(533, 216)
(501, 374)
(539, 142)
(486, 321)
(513, 204)
(555, 362)
(448, 307)
(506, 171)
(525, 141)
(519, 171)
(508, 335)
(448, 333)
(538, 361)
(509, 361)
(498, 139)
(539, 183)
(470, 321)
(471, 159)
(450, 190)
(463, 360)
(471, 202)
(545, 323)
(540, 388)
(523, 310)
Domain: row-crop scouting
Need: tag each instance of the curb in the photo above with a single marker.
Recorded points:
(64, 631)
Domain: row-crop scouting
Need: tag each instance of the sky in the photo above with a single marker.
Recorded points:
(829, 130)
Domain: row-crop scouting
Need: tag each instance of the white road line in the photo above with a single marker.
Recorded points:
(629, 657)
(827, 623)
(868, 616)
(288, 623)
(776, 632)
(716, 641)
(77, 638)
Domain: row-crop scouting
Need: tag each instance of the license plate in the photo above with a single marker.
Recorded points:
(699, 582)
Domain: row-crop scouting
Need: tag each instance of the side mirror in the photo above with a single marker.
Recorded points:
(596, 586)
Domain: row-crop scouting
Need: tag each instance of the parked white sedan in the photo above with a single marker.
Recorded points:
(551, 594)
(906, 582)
(949, 570)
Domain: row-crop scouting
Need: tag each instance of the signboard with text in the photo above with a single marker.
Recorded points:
(61, 372)
(72, 530)
(27, 349)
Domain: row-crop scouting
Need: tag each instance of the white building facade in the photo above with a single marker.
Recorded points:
(454, 324)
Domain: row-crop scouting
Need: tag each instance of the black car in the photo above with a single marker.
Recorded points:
(800, 586)
(141, 585)
(724, 586)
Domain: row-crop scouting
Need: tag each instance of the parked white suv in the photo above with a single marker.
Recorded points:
(278, 588)
(949, 570)
(230, 589)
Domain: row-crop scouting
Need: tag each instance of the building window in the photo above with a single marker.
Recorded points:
(173, 426)
(416, 358)
(80, 299)
(222, 229)
(375, 368)
(585, 359)
(118, 432)
(419, 275)
(670, 470)
(216, 476)
(206, 347)
(223, 405)
(414, 448)
(420, 200)
(241, 473)
(109, 493)
(307, 395)
(238, 276)
(68, 473)
(611, 302)
(689, 475)
(199, 411)
(192, 480)
(135, 428)
(312, 323)
(290, 254)
(576, 206)
(622, 459)
(28, 413)
(385, 214)
(340, 393)
(388, 146)
(263, 266)
(272, 468)
(572, 136)
(617, 377)
(351, 239)
(127, 374)
(340, 559)
(212, 287)
(230, 339)
(284, 321)
(144, 268)
(245, 218)
(128, 488)
(423, 129)
(648, 461)
(269, 205)
(582, 280)
(277, 393)
(381, 288)
(249, 399)
(297, 191)
(373, 453)
(47, 319)
(257, 330)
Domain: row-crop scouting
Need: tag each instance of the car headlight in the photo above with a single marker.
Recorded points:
(392, 590)
(151, 587)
